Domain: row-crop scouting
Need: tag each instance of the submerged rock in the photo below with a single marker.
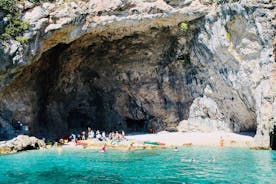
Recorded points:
(21, 143)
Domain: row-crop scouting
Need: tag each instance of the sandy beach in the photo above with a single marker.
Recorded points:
(197, 138)
(171, 139)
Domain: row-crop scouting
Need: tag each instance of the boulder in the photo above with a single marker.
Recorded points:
(21, 143)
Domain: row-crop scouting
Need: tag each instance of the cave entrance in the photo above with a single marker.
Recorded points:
(109, 83)
(78, 121)
(96, 82)
(135, 125)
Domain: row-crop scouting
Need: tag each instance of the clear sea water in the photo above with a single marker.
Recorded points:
(187, 165)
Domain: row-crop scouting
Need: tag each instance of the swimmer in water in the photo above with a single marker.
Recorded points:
(213, 159)
(104, 148)
(130, 146)
(221, 142)
(59, 149)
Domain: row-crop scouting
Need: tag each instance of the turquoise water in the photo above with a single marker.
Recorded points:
(188, 165)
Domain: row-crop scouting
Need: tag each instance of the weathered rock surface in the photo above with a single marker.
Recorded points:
(21, 143)
(133, 65)
(6, 129)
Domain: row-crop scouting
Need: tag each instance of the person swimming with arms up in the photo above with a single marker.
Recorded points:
(103, 148)
(130, 147)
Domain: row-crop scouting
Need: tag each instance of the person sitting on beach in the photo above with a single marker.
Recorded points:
(83, 135)
(61, 141)
(117, 135)
(103, 136)
(110, 136)
(120, 137)
(78, 137)
(98, 134)
(123, 135)
(90, 133)
(113, 136)
(73, 138)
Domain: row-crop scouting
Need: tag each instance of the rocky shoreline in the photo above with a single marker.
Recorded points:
(21, 143)
(161, 140)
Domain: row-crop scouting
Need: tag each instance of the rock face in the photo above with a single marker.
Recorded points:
(235, 52)
(6, 129)
(21, 143)
(136, 65)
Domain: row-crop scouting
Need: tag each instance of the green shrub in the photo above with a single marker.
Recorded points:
(8, 6)
(224, 1)
(34, 1)
(184, 26)
(228, 35)
(13, 26)
(22, 39)
(39, 1)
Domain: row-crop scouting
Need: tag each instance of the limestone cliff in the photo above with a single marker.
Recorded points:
(134, 65)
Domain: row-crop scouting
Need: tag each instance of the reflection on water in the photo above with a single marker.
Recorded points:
(187, 165)
(273, 155)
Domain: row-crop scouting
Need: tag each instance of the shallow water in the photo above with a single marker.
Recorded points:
(187, 165)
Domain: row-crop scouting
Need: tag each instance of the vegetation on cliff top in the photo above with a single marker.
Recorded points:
(184, 26)
(39, 1)
(11, 25)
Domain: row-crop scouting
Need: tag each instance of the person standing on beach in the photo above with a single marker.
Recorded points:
(90, 133)
(83, 135)
(221, 142)
(73, 137)
(103, 134)
(98, 134)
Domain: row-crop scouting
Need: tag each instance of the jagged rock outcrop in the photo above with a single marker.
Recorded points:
(21, 143)
(234, 49)
(136, 65)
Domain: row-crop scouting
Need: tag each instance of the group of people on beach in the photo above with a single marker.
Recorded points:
(101, 136)
(113, 137)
